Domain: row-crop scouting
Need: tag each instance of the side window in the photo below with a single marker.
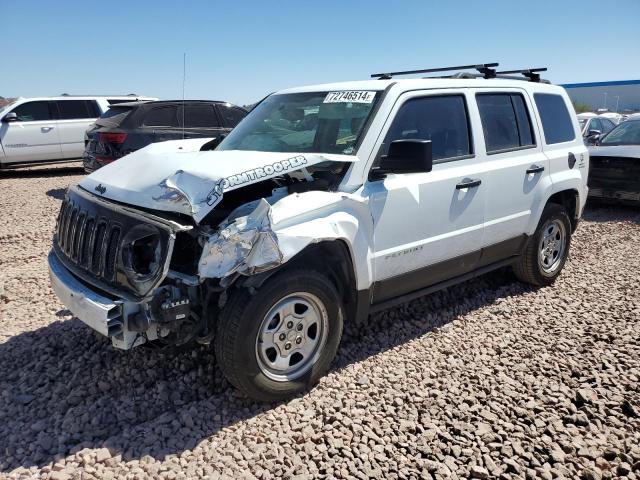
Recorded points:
(505, 121)
(94, 110)
(595, 124)
(441, 119)
(33, 111)
(556, 121)
(198, 116)
(75, 109)
(231, 115)
(166, 116)
(607, 125)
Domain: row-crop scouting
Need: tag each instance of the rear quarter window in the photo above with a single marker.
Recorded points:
(556, 120)
(231, 115)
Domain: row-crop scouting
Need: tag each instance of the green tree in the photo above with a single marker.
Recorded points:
(581, 107)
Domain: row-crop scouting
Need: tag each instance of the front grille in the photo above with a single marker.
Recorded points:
(88, 242)
(90, 237)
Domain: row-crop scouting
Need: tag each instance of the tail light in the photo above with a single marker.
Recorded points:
(112, 137)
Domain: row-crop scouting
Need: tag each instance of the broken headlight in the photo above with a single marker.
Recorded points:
(142, 253)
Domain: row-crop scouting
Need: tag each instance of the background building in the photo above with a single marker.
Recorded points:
(620, 96)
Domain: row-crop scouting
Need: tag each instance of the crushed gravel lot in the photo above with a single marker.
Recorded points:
(489, 379)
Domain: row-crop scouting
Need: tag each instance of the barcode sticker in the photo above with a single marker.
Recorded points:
(360, 96)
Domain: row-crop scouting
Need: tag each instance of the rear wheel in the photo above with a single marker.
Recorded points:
(548, 248)
(280, 340)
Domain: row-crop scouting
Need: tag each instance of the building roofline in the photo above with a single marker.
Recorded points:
(601, 84)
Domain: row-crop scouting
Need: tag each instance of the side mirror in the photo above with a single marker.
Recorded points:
(593, 136)
(213, 143)
(10, 117)
(406, 156)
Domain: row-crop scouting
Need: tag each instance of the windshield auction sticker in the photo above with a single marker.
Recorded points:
(351, 96)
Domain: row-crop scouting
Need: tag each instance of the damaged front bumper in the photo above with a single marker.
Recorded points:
(105, 315)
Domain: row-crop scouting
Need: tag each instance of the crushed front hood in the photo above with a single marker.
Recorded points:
(175, 176)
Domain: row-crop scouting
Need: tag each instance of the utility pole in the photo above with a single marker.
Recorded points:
(605, 100)
(617, 102)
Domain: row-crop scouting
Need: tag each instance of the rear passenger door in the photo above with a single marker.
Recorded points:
(33, 137)
(518, 170)
(75, 117)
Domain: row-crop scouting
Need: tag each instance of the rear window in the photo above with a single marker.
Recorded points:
(114, 116)
(505, 121)
(166, 116)
(556, 121)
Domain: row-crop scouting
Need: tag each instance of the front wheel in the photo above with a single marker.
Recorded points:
(547, 250)
(278, 341)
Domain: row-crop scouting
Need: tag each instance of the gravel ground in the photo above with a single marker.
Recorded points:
(489, 379)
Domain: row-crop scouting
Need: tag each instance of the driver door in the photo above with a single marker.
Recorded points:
(33, 136)
(428, 227)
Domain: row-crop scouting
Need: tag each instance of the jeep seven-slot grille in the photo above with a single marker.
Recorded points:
(90, 243)
(90, 236)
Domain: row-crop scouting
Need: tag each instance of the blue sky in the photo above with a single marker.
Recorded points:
(240, 51)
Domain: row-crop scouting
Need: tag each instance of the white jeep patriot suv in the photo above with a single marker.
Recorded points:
(326, 203)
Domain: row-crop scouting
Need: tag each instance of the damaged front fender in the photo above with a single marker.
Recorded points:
(259, 236)
(246, 245)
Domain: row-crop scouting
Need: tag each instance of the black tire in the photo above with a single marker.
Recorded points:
(239, 325)
(528, 267)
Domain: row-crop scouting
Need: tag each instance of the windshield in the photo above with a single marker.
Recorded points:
(627, 133)
(318, 122)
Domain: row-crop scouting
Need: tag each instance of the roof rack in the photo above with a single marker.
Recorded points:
(530, 73)
(126, 95)
(486, 69)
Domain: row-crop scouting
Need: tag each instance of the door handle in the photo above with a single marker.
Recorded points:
(46, 129)
(468, 183)
(535, 169)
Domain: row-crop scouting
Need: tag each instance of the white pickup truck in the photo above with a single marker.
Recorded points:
(326, 203)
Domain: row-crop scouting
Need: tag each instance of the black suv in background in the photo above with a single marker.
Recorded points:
(127, 127)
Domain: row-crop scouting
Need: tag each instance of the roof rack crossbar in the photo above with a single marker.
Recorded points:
(530, 73)
(487, 69)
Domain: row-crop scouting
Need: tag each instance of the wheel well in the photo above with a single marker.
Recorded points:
(329, 257)
(569, 200)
